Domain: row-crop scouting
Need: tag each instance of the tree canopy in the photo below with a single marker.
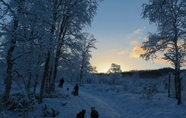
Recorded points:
(169, 17)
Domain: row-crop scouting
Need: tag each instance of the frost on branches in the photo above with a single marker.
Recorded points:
(169, 40)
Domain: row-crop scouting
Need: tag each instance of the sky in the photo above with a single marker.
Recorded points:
(120, 30)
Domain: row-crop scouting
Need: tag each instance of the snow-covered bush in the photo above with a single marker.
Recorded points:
(49, 112)
(21, 104)
(57, 94)
(92, 79)
(149, 91)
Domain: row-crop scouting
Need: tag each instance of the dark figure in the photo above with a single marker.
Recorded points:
(81, 114)
(75, 91)
(61, 83)
(67, 89)
(94, 113)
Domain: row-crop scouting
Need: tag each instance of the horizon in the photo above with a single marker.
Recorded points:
(141, 70)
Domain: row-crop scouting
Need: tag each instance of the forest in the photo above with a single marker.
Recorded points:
(42, 41)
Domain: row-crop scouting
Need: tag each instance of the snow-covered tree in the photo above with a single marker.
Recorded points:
(169, 17)
(41, 34)
(10, 32)
(115, 70)
(87, 43)
(68, 20)
(22, 31)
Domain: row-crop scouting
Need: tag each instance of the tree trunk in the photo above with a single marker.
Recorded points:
(81, 72)
(36, 76)
(175, 85)
(58, 50)
(169, 85)
(35, 83)
(179, 90)
(49, 79)
(45, 76)
(8, 79)
(56, 61)
(10, 61)
(52, 87)
(178, 85)
(28, 84)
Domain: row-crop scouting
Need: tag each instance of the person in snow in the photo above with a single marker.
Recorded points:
(81, 114)
(75, 91)
(94, 113)
(61, 82)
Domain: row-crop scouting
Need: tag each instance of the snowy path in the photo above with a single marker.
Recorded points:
(105, 109)
(111, 104)
(86, 100)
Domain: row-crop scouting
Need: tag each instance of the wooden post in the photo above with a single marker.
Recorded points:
(169, 85)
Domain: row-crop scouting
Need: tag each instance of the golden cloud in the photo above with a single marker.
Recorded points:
(137, 50)
(160, 61)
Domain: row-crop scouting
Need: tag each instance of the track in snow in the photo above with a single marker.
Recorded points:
(86, 100)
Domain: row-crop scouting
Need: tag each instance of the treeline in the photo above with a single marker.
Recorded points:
(155, 73)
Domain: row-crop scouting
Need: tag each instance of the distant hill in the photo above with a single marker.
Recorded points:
(155, 73)
(149, 73)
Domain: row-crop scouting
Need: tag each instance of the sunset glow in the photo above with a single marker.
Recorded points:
(104, 66)
(103, 69)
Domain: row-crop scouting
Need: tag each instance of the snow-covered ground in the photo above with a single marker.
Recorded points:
(111, 101)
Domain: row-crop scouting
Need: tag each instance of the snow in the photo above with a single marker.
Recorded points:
(111, 101)
(113, 104)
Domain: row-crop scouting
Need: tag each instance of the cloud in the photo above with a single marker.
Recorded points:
(138, 31)
(129, 36)
(134, 42)
(135, 32)
(137, 50)
(122, 52)
(161, 61)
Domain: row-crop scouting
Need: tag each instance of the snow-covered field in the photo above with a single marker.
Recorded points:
(111, 101)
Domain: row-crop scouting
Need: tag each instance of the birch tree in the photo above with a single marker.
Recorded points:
(87, 43)
(115, 70)
(10, 32)
(67, 20)
(22, 31)
(169, 40)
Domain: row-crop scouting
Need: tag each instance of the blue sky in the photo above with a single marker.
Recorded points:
(120, 30)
